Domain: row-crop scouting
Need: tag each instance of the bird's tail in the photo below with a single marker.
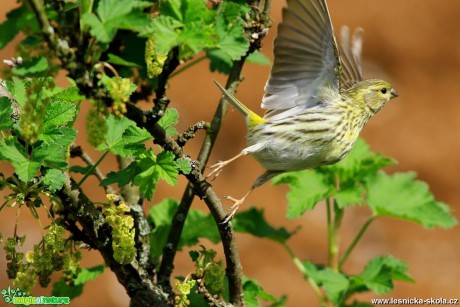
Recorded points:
(252, 118)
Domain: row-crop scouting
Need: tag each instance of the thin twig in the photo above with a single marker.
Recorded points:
(189, 133)
(77, 151)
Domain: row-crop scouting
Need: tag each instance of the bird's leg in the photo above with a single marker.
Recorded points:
(257, 183)
(236, 204)
(217, 168)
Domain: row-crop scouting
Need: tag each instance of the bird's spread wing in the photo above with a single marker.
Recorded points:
(350, 57)
(307, 58)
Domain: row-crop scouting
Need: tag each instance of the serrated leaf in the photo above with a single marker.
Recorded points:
(123, 137)
(6, 110)
(360, 163)
(169, 120)
(89, 274)
(58, 113)
(97, 28)
(63, 136)
(70, 94)
(379, 274)
(306, 189)
(122, 177)
(253, 222)
(401, 196)
(167, 168)
(13, 152)
(148, 176)
(334, 283)
(184, 165)
(54, 179)
(252, 291)
(51, 155)
(352, 195)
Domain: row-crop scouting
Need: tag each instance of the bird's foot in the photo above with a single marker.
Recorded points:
(217, 169)
(232, 210)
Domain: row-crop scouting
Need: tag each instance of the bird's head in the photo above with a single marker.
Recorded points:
(373, 94)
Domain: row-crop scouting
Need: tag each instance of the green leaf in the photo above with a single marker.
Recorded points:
(123, 137)
(401, 196)
(252, 291)
(198, 225)
(81, 169)
(17, 20)
(115, 59)
(18, 90)
(307, 188)
(360, 163)
(61, 289)
(232, 40)
(148, 175)
(114, 9)
(70, 94)
(334, 283)
(97, 28)
(183, 165)
(166, 37)
(259, 58)
(54, 179)
(6, 110)
(51, 155)
(169, 120)
(34, 67)
(253, 222)
(61, 136)
(379, 274)
(58, 113)
(89, 274)
(166, 167)
(13, 152)
(352, 195)
(122, 177)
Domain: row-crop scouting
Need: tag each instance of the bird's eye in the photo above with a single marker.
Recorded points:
(383, 90)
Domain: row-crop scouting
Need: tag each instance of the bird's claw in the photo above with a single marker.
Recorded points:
(217, 169)
(232, 210)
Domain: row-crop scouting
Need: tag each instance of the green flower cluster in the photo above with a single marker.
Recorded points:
(122, 230)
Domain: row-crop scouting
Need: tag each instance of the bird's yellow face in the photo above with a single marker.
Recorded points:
(373, 94)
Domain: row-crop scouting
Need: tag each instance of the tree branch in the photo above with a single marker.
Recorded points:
(78, 208)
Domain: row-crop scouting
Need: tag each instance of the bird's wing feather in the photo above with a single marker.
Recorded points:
(306, 57)
(350, 56)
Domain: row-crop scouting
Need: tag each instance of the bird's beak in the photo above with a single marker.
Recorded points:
(393, 93)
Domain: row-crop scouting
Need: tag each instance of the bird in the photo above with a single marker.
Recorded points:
(316, 99)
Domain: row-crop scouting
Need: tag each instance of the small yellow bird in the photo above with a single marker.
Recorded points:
(316, 100)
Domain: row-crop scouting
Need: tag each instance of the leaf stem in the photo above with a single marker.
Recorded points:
(334, 236)
(356, 240)
(90, 171)
(299, 265)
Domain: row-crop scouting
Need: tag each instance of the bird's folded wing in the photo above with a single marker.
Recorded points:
(306, 57)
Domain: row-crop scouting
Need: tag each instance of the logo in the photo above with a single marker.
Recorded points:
(19, 297)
